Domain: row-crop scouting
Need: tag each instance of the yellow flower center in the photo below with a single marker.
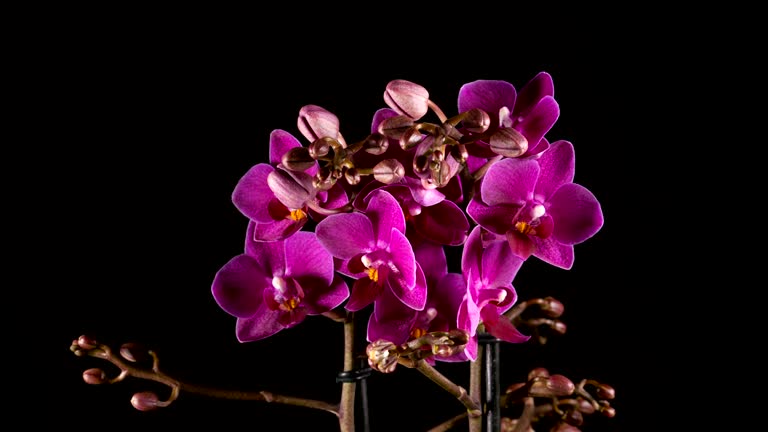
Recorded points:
(297, 215)
(524, 227)
(418, 332)
(290, 304)
(373, 273)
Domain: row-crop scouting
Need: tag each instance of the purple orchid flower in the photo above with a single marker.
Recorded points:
(397, 323)
(530, 113)
(278, 201)
(374, 250)
(489, 272)
(275, 285)
(537, 207)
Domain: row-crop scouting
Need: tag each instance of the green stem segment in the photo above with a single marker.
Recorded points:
(347, 407)
(473, 407)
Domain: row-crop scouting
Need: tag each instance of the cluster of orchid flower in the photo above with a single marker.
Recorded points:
(335, 227)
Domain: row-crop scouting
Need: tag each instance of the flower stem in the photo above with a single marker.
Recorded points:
(449, 424)
(475, 387)
(347, 406)
(473, 407)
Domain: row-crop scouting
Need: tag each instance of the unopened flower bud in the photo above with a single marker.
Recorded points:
(476, 121)
(287, 190)
(395, 127)
(607, 410)
(316, 122)
(565, 427)
(319, 147)
(298, 159)
(515, 387)
(459, 152)
(352, 176)
(133, 352)
(604, 391)
(144, 401)
(585, 406)
(551, 386)
(538, 372)
(388, 171)
(407, 98)
(574, 417)
(87, 342)
(559, 327)
(376, 144)
(411, 137)
(553, 307)
(94, 376)
(508, 142)
(382, 356)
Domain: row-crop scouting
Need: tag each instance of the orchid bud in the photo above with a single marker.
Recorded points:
(459, 152)
(287, 190)
(559, 327)
(395, 127)
(508, 142)
(352, 176)
(476, 120)
(553, 386)
(604, 391)
(87, 342)
(411, 138)
(565, 427)
(320, 147)
(585, 406)
(538, 372)
(574, 417)
(376, 144)
(94, 376)
(133, 352)
(552, 307)
(298, 159)
(607, 410)
(407, 98)
(316, 122)
(382, 356)
(144, 401)
(388, 171)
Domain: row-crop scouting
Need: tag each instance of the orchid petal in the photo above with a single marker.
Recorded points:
(557, 168)
(346, 235)
(238, 286)
(576, 213)
(252, 193)
(510, 181)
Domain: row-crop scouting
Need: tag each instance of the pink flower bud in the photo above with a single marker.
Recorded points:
(376, 144)
(607, 410)
(552, 307)
(395, 127)
(508, 142)
(144, 401)
(407, 98)
(316, 122)
(388, 171)
(574, 417)
(287, 190)
(352, 176)
(552, 386)
(87, 342)
(319, 148)
(538, 372)
(94, 376)
(476, 121)
(604, 391)
(298, 159)
(133, 352)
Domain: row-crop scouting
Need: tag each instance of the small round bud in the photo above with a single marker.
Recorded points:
(382, 356)
(574, 417)
(133, 352)
(316, 122)
(559, 327)
(476, 121)
(319, 147)
(604, 391)
(508, 142)
(514, 387)
(94, 376)
(388, 171)
(298, 159)
(376, 144)
(87, 342)
(395, 127)
(144, 401)
(407, 98)
(352, 176)
(551, 386)
(553, 307)
(585, 406)
(411, 137)
(538, 372)
(607, 410)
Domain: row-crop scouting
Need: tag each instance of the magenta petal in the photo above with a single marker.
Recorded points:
(346, 235)
(263, 324)
(402, 256)
(500, 265)
(274, 231)
(385, 215)
(576, 213)
(521, 245)
(416, 297)
(443, 223)
(322, 299)
(363, 293)
(557, 168)
(487, 95)
(471, 256)
(536, 89)
(280, 142)
(497, 219)
(469, 315)
(252, 193)
(381, 115)
(305, 257)
(557, 254)
(510, 181)
(239, 284)
(500, 326)
(542, 145)
(431, 258)
(446, 296)
(357, 269)
(425, 197)
(540, 120)
(390, 319)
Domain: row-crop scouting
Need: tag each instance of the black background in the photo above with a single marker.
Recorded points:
(152, 129)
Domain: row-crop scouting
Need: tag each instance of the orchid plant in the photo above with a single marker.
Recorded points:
(338, 229)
